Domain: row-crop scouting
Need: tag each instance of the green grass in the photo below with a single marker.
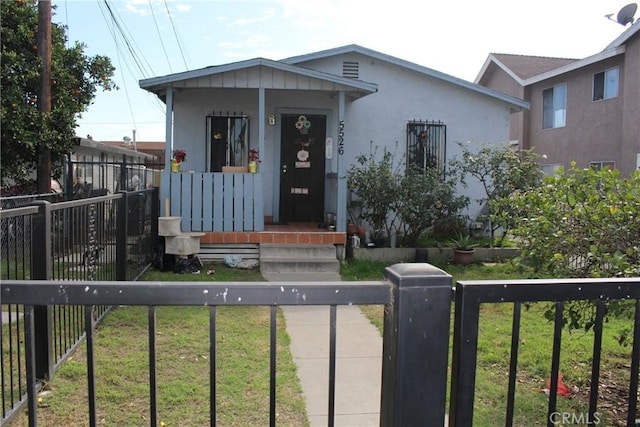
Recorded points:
(534, 357)
(122, 374)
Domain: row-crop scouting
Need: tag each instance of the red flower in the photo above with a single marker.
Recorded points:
(179, 155)
(254, 155)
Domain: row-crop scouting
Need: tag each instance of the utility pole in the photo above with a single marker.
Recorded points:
(44, 97)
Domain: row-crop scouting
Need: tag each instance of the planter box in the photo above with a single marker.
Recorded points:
(394, 255)
(169, 225)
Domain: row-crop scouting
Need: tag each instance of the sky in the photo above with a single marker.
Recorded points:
(169, 36)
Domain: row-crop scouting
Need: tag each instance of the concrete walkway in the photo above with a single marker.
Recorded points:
(358, 364)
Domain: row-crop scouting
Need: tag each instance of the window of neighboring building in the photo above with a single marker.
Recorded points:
(601, 165)
(554, 106)
(227, 141)
(550, 169)
(426, 142)
(605, 84)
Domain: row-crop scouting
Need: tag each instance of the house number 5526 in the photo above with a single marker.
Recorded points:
(341, 138)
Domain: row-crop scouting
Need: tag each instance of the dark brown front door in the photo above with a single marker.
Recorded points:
(302, 167)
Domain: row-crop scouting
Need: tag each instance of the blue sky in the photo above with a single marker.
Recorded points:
(169, 36)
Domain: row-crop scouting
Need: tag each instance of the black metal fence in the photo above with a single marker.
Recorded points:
(105, 238)
(418, 302)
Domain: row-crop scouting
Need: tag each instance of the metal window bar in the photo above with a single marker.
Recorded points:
(426, 145)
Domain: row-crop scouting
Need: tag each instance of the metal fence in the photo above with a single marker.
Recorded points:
(105, 238)
(418, 302)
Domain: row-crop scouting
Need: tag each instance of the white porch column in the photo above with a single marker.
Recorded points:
(341, 205)
(261, 120)
(165, 180)
(258, 195)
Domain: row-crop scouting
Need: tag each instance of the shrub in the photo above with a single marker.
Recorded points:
(424, 200)
(375, 184)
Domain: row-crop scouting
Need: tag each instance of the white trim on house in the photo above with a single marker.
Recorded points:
(491, 59)
(600, 56)
(354, 87)
(614, 48)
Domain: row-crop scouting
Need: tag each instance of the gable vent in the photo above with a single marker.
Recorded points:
(350, 69)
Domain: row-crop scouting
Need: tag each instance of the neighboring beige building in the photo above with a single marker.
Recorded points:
(583, 110)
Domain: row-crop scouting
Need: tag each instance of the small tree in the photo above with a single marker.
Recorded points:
(424, 200)
(375, 184)
(502, 172)
(75, 78)
(584, 223)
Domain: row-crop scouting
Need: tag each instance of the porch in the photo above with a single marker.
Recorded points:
(295, 233)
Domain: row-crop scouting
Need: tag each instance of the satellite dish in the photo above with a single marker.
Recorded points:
(625, 16)
(127, 140)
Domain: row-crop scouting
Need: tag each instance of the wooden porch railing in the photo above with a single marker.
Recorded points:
(217, 201)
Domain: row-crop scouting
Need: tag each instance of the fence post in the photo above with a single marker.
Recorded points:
(121, 237)
(41, 270)
(416, 346)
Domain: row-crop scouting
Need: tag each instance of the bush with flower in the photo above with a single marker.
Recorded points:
(179, 156)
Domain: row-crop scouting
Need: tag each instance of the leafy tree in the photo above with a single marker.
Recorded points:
(425, 200)
(502, 172)
(584, 223)
(75, 78)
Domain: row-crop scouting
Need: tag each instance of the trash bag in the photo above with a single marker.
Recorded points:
(187, 265)
(160, 260)
(232, 260)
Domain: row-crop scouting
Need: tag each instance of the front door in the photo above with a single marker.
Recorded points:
(302, 167)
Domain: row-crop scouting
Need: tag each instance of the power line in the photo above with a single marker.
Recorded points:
(176, 35)
(160, 36)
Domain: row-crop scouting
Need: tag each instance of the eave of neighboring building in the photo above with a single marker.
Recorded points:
(600, 56)
(159, 84)
(515, 103)
(616, 47)
(626, 35)
(106, 148)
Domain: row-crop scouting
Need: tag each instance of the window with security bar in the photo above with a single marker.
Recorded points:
(426, 145)
(227, 141)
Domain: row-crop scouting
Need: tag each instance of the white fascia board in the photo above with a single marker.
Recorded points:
(601, 56)
(493, 59)
(203, 72)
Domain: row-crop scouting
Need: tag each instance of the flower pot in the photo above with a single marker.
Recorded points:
(175, 166)
(253, 167)
(461, 256)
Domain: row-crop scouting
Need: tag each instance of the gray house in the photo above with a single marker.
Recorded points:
(307, 118)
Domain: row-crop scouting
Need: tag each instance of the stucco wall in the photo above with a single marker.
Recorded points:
(631, 107)
(593, 129)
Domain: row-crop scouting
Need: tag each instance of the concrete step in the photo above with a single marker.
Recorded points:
(299, 259)
(217, 251)
(270, 250)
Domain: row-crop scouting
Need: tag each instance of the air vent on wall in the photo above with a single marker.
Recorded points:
(350, 69)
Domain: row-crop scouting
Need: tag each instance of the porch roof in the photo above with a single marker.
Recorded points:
(259, 73)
